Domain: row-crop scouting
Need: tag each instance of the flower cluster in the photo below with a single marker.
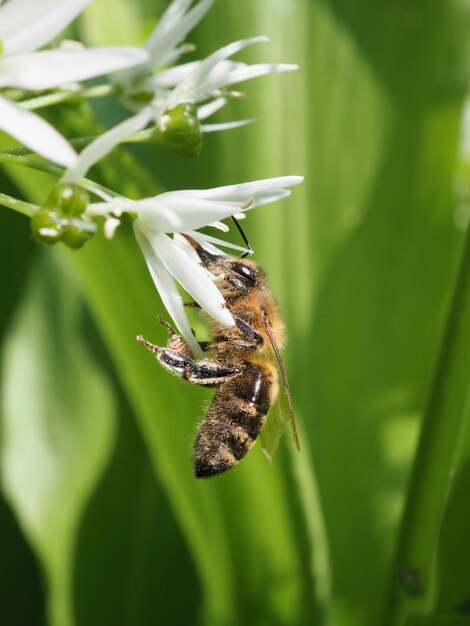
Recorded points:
(24, 28)
(168, 104)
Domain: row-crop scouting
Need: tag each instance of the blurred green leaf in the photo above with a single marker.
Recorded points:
(454, 547)
(132, 565)
(20, 577)
(58, 426)
(438, 620)
(363, 258)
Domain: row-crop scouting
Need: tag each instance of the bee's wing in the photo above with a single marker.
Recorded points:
(272, 430)
(271, 433)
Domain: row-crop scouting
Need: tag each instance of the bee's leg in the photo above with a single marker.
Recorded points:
(177, 343)
(205, 372)
(192, 304)
(254, 335)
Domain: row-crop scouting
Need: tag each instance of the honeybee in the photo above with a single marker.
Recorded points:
(239, 365)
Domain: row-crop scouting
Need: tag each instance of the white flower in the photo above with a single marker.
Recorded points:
(196, 82)
(26, 26)
(204, 83)
(162, 45)
(201, 81)
(170, 259)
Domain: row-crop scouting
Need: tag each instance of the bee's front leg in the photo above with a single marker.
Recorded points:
(205, 372)
(177, 343)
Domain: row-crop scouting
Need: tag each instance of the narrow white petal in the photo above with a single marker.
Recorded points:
(27, 25)
(219, 80)
(167, 289)
(101, 146)
(212, 128)
(191, 276)
(174, 75)
(206, 240)
(53, 68)
(184, 243)
(32, 131)
(172, 28)
(243, 191)
(178, 212)
(193, 87)
(209, 109)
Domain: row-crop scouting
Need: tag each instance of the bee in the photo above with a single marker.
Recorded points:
(239, 364)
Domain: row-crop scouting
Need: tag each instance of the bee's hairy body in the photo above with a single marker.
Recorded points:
(238, 364)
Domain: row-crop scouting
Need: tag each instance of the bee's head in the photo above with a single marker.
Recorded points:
(250, 273)
(240, 275)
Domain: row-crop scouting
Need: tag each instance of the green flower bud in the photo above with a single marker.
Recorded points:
(46, 226)
(180, 129)
(62, 218)
(77, 232)
(68, 199)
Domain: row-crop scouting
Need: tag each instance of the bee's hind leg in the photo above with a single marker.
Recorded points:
(205, 372)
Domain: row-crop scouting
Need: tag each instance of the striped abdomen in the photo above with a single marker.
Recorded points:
(234, 420)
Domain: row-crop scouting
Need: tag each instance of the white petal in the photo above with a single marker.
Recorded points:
(174, 75)
(177, 212)
(222, 75)
(217, 80)
(206, 240)
(191, 276)
(184, 243)
(257, 189)
(52, 68)
(193, 87)
(172, 28)
(27, 25)
(101, 146)
(212, 128)
(34, 132)
(209, 109)
(167, 289)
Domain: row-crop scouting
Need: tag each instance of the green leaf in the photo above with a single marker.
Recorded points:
(438, 620)
(57, 426)
(132, 564)
(454, 547)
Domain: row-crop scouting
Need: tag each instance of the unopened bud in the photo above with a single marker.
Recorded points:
(180, 129)
(77, 232)
(63, 218)
(67, 199)
(46, 226)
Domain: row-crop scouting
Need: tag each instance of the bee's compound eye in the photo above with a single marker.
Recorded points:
(246, 271)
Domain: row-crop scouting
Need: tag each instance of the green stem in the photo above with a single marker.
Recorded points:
(57, 97)
(143, 136)
(25, 208)
(42, 166)
(435, 460)
(55, 170)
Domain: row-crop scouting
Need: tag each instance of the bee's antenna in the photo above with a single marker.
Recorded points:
(205, 256)
(244, 237)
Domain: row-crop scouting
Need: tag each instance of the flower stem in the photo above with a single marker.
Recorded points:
(25, 208)
(55, 170)
(57, 97)
(143, 136)
(42, 166)
(413, 573)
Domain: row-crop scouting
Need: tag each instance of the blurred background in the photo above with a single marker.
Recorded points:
(101, 520)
